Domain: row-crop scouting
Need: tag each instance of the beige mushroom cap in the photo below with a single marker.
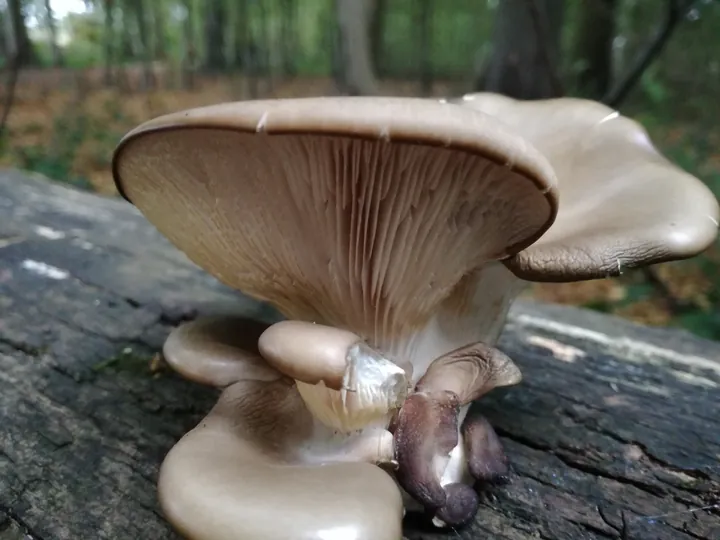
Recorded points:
(622, 204)
(258, 466)
(360, 213)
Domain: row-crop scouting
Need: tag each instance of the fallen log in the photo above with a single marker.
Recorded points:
(614, 433)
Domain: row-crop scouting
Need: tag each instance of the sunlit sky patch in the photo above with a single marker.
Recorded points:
(63, 7)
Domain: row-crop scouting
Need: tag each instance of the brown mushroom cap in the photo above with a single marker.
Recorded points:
(360, 213)
(622, 204)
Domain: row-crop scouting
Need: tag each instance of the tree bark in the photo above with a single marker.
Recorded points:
(524, 63)
(20, 38)
(353, 17)
(89, 291)
(594, 47)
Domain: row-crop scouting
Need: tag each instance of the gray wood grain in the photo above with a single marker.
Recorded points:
(611, 420)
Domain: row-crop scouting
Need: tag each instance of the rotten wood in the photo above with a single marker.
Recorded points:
(614, 432)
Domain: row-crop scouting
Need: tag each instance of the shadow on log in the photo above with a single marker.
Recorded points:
(614, 433)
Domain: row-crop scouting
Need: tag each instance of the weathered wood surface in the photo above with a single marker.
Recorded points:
(612, 420)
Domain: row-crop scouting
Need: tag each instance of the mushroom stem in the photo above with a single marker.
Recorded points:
(346, 384)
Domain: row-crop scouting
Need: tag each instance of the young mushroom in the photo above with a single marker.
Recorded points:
(392, 234)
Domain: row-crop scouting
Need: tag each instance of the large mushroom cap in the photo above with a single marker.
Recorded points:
(361, 213)
(622, 203)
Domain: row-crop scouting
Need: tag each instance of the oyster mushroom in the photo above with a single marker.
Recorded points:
(622, 205)
(405, 228)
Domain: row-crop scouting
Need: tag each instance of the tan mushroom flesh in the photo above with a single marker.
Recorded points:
(381, 217)
(622, 204)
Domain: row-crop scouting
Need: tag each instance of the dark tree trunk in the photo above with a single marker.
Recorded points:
(215, 36)
(524, 60)
(288, 39)
(190, 52)
(127, 48)
(158, 19)
(20, 38)
(424, 24)
(594, 47)
(355, 59)
(264, 41)
(377, 31)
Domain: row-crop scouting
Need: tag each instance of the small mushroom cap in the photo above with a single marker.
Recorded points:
(622, 204)
(218, 351)
(360, 213)
(311, 353)
(243, 473)
(470, 372)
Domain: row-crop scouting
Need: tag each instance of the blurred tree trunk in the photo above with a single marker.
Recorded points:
(265, 44)
(243, 37)
(108, 41)
(594, 47)
(354, 53)
(377, 31)
(146, 49)
(249, 52)
(127, 48)
(288, 38)
(19, 34)
(424, 25)
(523, 62)
(190, 49)
(13, 64)
(52, 30)
(159, 37)
(215, 15)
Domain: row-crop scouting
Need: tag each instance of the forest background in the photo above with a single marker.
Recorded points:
(78, 74)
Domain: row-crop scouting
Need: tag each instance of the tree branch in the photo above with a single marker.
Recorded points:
(541, 34)
(676, 10)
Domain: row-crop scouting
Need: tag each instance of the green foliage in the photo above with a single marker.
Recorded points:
(69, 131)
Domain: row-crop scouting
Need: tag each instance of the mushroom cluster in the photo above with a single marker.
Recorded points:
(392, 234)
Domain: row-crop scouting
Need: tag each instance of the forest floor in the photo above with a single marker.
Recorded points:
(67, 128)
